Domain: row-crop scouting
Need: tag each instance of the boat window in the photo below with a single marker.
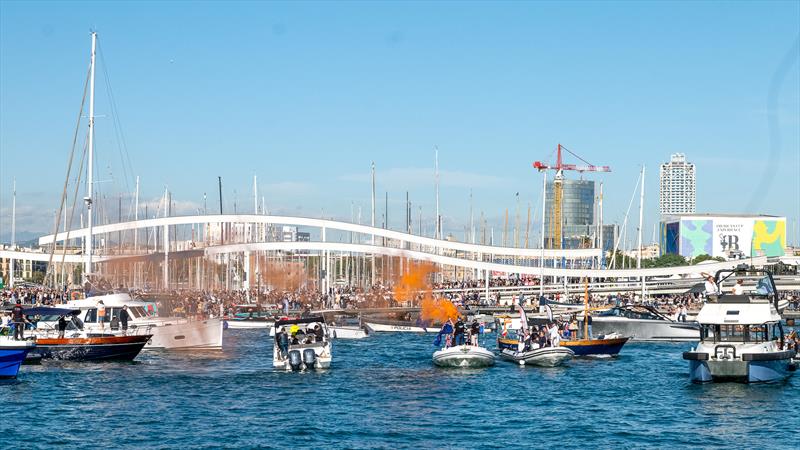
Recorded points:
(611, 312)
(91, 316)
(706, 332)
(111, 313)
(732, 333)
(776, 332)
(137, 311)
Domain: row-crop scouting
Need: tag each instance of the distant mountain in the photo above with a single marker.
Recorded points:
(24, 238)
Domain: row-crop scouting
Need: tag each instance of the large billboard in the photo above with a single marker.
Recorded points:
(723, 236)
(732, 235)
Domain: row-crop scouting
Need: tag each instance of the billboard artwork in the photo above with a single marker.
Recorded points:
(696, 237)
(732, 236)
(725, 237)
(769, 237)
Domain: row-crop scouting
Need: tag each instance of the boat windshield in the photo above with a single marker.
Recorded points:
(639, 314)
(740, 333)
(137, 312)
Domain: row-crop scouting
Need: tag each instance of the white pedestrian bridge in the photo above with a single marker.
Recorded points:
(179, 249)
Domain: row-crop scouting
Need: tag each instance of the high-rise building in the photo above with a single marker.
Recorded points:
(579, 221)
(678, 186)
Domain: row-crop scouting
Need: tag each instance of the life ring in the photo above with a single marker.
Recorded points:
(75, 295)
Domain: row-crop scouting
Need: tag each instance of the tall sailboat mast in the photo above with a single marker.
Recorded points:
(87, 269)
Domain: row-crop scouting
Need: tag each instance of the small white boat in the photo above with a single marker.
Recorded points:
(546, 357)
(250, 316)
(307, 347)
(346, 332)
(338, 332)
(469, 356)
(396, 326)
(241, 323)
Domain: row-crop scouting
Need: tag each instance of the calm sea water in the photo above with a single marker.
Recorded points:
(384, 392)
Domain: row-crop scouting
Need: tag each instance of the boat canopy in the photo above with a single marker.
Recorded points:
(49, 311)
(738, 314)
(312, 319)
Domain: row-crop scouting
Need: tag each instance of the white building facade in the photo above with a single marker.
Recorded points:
(678, 193)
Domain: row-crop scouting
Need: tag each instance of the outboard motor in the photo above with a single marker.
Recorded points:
(309, 357)
(295, 362)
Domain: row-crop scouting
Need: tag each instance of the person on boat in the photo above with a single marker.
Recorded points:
(458, 332)
(101, 314)
(710, 286)
(19, 320)
(444, 334)
(123, 318)
(318, 334)
(555, 338)
(474, 332)
(573, 327)
(542, 337)
(738, 288)
(282, 340)
(62, 326)
(589, 325)
(294, 329)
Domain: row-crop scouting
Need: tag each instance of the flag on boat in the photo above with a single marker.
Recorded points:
(523, 317)
(447, 329)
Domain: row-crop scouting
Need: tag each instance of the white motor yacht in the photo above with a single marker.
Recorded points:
(642, 323)
(741, 336)
(302, 344)
(168, 332)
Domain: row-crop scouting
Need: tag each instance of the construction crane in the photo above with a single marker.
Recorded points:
(554, 230)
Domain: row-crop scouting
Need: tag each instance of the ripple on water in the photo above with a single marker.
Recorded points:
(383, 391)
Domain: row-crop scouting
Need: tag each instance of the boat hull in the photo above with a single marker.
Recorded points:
(345, 332)
(323, 357)
(595, 347)
(249, 324)
(647, 330)
(388, 328)
(108, 348)
(544, 357)
(465, 356)
(12, 355)
(188, 335)
(704, 370)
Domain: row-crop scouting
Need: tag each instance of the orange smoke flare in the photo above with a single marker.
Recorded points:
(415, 286)
(438, 310)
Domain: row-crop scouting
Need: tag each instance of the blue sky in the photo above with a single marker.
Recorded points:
(306, 95)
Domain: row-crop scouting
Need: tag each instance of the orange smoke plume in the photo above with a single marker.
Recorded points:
(416, 281)
(438, 310)
(415, 286)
